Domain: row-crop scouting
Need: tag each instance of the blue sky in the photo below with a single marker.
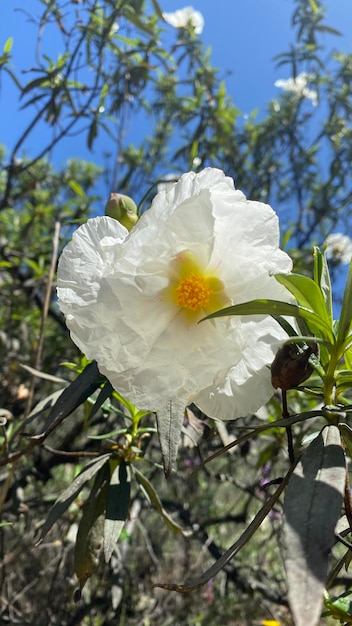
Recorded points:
(244, 36)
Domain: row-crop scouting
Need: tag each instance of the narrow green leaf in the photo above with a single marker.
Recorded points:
(76, 188)
(348, 357)
(104, 394)
(157, 9)
(346, 433)
(312, 507)
(42, 81)
(89, 541)
(68, 495)
(322, 278)
(117, 505)
(313, 6)
(169, 422)
(340, 607)
(75, 394)
(344, 379)
(346, 309)
(154, 498)
(93, 131)
(307, 293)
(275, 308)
(8, 45)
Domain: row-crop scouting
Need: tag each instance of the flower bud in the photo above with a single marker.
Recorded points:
(123, 209)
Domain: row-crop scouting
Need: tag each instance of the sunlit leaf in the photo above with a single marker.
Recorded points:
(76, 188)
(117, 505)
(322, 278)
(307, 293)
(312, 507)
(275, 308)
(346, 432)
(8, 45)
(343, 379)
(340, 607)
(346, 309)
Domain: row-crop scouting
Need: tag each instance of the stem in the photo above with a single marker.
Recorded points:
(46, 303)
(285, 414)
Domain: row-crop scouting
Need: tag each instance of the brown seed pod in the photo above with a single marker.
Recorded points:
(291, 366)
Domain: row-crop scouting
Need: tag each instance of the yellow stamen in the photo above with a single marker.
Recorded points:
(193, 292)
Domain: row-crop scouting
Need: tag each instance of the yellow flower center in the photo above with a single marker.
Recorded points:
(193, 292)
(196, 291)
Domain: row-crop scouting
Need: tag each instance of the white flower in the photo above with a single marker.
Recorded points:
(185, 17)
(338, 247)
(133, 300)
(298, 86)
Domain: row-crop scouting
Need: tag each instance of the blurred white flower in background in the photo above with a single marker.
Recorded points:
(133, 301)
(298, 86)
(338, 248)
(183, 18)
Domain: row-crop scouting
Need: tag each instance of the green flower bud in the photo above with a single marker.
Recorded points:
(123, 209)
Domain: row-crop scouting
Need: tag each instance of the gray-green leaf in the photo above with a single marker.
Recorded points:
(312, 507)
(116, 507)
(169, 421)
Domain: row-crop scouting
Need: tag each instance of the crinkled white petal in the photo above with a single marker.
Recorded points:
(244, 388)
(111, 287)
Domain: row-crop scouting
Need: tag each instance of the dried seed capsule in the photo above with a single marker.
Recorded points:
(291, 366)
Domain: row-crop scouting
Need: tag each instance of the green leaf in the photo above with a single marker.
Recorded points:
(275, 308)
(74, 395)
(89, 540)
(346, 433)
(76, 188)
(92, 134)
(157, 9)
(104, 394)
(8, 45)
(307, 293)
(169, 421)
(313, 6)
(117, 505)
(343, 379)
(70, 494)
(154, 498)
(346, 309)
(348, 357)
(312, 507)
(322, 278)
(341, 607)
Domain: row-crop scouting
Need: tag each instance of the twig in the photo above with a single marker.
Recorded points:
(45, 309)
(285, 414)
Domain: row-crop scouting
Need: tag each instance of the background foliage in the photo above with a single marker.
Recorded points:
(118, 61)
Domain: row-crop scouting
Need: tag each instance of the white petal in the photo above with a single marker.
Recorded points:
(244, 388)
(111, 287)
